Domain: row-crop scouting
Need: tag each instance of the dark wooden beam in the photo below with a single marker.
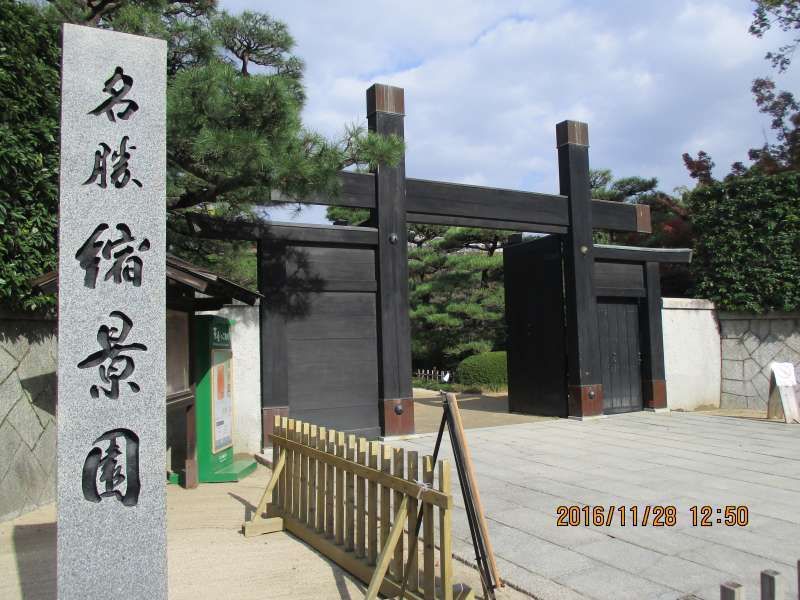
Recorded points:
(427, 219)
(357, 191)
(458, 200)
(634, 254)
(385, 116)
(617, 216)
(584, 385)
(448, 202)
(653, 374)
(621, 292)
(277, 231)
(200, 304)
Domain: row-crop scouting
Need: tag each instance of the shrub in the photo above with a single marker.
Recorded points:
(487, 370)
(438, 386)
(29, 107)
(747, 249)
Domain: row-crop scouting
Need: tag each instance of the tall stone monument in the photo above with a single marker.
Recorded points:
(111, 338)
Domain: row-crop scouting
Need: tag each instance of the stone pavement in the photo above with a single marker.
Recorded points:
(526, 471)
(477, 410)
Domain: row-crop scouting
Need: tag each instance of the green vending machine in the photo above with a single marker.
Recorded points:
(214, 402)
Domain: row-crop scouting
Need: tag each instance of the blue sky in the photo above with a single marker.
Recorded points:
(486, 82)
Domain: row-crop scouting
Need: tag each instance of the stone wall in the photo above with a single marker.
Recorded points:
(749, 344)
(691, 353)
(28, 358)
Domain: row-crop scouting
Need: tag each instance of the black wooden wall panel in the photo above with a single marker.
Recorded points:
(334, 264)
(319, 347)
(619, 275)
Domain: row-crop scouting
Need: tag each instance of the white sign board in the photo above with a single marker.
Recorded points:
(782, 402)
(111, 305)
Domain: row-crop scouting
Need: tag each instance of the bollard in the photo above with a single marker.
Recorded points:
(730, 590)
(772, 585)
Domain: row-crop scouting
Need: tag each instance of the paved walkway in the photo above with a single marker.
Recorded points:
(477, 410)
(525, 471)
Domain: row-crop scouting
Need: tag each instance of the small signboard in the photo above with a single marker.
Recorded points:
(222, 400)
(783, 402)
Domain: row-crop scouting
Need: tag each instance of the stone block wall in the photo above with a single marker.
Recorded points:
(28, 359)
(749, 344)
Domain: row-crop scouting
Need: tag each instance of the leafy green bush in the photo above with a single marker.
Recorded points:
(29, 105)
(747, 249)
(487, 370)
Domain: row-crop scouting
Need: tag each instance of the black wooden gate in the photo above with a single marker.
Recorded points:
(319, 334)
(620, 355)
(536, 342)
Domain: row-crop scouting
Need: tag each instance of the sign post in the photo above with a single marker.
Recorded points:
(111, 331)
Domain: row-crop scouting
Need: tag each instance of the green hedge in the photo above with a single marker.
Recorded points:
(486, 370)
(747, 248)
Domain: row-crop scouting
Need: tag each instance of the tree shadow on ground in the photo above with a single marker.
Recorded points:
(35, 549)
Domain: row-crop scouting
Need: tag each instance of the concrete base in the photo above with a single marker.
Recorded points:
(587, 418)
(395, 438)
(657, 410)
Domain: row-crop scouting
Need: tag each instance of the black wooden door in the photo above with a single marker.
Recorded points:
(535, 321)
(618, 328)
(319, 335)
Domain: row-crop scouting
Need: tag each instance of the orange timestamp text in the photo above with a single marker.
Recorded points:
(649, 515)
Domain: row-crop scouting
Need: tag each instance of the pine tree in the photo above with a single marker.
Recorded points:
(234, 132)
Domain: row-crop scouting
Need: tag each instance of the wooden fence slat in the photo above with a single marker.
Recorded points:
(429, 561)
(398, 470)
(350, 498)
(281, 431)
(413, 539)
(432, 496)
(341, 451)
(289, 506)
(395, 535)
(276, 423)
(330, 484)
(298, 457)
(445, 535)
(361, 499)
(336, 488)
(312, 479)
(386, 494)
(322, 440)
(304, 477)
(372, 516)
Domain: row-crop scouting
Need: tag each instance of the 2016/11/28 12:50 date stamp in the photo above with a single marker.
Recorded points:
(652, 515)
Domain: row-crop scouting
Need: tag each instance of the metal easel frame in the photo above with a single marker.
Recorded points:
(484, 557)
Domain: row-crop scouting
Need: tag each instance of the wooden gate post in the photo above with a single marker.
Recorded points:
(654, 385)
(385, 113)
(583, 347)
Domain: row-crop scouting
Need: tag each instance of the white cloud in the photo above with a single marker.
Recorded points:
(486, 82)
